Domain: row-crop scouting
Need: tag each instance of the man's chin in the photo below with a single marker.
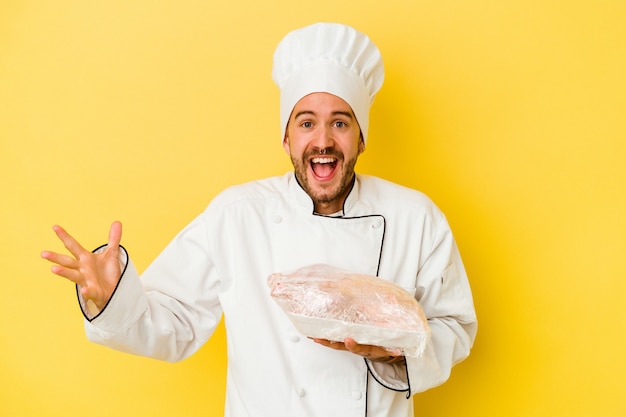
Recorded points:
(318, 194)
(322, 198)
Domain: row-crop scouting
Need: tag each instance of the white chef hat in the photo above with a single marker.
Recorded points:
(331, 58)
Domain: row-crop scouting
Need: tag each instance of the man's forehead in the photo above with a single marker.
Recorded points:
(321, 104)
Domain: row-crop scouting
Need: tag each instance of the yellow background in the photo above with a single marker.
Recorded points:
(509, 114)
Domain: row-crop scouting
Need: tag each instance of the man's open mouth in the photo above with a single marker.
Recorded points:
(323, 167)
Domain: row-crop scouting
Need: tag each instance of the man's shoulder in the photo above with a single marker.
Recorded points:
(381, 189)
(393, 199)
(249, 192)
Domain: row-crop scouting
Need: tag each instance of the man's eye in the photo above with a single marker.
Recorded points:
(340, 124)
(307, 124)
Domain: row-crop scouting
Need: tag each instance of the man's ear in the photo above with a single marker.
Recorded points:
(361, 145)
(286, 145)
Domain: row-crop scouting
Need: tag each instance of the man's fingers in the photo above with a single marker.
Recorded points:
(330, 344)
(68, 273)
(367, 351)
(69, 242)
(354, 347)
(63, 260)
(88, 294)
(115, 234)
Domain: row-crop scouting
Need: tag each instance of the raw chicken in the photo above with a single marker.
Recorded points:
(325, 302)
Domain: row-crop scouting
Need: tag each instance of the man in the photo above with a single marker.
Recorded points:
(323, 212)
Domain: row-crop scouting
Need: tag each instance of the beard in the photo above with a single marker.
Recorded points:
(323, 194)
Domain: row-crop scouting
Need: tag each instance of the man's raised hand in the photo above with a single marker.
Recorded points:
(97, 274)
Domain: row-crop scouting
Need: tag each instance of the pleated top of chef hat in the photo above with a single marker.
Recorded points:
(331, 58)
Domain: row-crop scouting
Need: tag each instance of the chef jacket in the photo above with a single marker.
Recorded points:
(220, 262)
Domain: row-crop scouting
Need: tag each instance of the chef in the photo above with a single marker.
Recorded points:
(322, 212)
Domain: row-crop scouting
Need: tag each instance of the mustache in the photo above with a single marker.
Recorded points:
(323, 151)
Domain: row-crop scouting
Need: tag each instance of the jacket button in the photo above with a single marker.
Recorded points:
(376, 224)
(357, 395)
(277, 219)
(301, 393)
(294, 338)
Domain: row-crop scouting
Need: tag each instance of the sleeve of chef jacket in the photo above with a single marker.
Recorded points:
(444, 293)
(171, 311)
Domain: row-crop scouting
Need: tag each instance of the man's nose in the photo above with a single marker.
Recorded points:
(324, 138)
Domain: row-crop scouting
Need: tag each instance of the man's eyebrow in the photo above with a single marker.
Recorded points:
(347, 114)
(303, 113)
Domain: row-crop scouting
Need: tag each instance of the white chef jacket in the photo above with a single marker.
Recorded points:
(220, 263)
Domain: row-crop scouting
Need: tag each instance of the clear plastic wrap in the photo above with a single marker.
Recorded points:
(328, 303)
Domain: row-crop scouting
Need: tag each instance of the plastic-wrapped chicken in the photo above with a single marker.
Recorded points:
(328, 303)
